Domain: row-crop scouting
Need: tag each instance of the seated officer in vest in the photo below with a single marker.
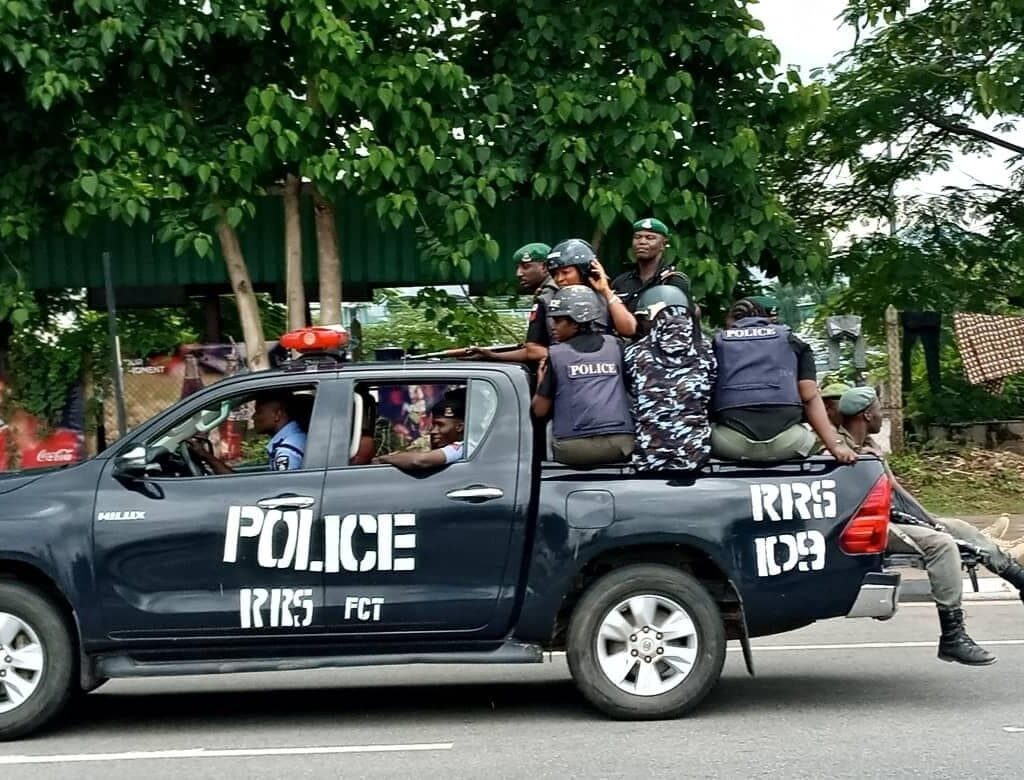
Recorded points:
(583, 381)
(670, 371)
(446, 436)
(573, 262)
(766, 387)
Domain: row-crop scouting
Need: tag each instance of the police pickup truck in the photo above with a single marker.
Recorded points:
(140, 563)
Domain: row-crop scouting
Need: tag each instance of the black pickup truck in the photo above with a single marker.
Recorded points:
(138, 563)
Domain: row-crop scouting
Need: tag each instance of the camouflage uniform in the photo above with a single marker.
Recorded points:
(671, 378)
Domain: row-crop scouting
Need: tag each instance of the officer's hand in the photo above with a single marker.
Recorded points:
(542, 369)
(844, 454)
(200, 448)
(598, 277)
(471, 353)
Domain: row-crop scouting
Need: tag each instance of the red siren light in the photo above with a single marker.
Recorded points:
(318, 339)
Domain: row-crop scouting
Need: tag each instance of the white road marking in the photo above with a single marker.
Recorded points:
(148, 755)
(869, 645)
(1013, 729)
(988, 602)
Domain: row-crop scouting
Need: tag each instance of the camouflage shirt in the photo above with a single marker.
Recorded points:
(670, 377)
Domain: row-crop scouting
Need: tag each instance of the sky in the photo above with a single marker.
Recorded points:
(808, 35)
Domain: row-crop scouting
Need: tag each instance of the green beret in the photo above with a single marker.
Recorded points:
(531, 253)
(857, 400)
(834, 390)
(652, 224)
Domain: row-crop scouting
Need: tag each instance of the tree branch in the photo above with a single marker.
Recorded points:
(971, 132)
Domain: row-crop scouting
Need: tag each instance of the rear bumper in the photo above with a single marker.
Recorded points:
(878, 596)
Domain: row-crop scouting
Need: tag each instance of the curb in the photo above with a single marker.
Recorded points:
(989, 589)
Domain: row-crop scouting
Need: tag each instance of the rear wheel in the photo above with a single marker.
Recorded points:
(646, 642)
(37, 663)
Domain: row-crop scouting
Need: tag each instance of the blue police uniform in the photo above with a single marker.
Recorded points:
(287, 448)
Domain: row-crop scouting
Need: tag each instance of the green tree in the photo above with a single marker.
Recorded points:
(434, 320)
(922, 84)
(638, 108)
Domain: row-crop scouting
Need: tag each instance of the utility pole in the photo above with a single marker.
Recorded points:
(894, 387)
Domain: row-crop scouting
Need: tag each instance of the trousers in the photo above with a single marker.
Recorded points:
(938, 547)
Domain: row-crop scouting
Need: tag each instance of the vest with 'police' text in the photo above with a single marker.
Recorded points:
(590, 397)
(756, 366)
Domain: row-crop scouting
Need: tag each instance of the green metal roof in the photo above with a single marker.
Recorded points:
(372, 256)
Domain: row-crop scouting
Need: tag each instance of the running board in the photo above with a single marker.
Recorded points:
(124, 665)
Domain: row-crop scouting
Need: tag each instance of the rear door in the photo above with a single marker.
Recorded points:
(431, 551)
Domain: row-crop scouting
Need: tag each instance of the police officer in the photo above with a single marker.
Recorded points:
(583, 385)
(670, 371)
(913, 529)
(650, 238)
(766, 386)
(532, 273)
(573, 262)
(830, 395)
(446, 437)
(272, 415)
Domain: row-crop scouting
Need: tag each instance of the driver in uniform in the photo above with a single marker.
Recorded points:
(272, 417)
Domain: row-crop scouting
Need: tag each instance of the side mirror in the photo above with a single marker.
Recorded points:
(132, 464)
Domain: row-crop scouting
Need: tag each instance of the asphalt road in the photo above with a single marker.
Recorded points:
(838, 699)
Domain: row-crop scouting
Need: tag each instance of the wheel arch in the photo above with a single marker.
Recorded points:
(16, 570)
(685, 557)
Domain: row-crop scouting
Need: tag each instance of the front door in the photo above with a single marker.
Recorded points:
(212, 555)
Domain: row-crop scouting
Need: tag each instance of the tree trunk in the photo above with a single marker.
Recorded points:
(245, 297)
(328, 259)
(295, 294)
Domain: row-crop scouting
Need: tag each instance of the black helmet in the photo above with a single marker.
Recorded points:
(577, 302)
(573, 251)
(662, 296)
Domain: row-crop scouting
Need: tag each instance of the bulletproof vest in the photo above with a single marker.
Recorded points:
(590, 396)
(756, 366)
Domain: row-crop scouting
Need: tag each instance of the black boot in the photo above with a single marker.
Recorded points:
(956, 645)
(1014, 574)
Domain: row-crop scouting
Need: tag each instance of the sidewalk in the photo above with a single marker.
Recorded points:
(990, 587)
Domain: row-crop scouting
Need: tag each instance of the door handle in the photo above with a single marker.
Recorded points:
(286, 502)
(475, 494)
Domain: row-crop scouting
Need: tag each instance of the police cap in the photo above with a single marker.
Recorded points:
(452, 405)
(834, 390)
(651, 224)
(856, 400)
(531, 253)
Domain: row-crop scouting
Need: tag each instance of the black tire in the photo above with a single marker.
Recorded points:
(608, 592)
(58, 675)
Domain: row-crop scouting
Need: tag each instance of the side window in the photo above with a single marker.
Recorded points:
(255, 431)
(402, 417)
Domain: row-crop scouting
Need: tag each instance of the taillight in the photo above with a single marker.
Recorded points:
(868, 530)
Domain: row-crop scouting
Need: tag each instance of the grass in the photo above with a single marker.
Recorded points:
(963, 482)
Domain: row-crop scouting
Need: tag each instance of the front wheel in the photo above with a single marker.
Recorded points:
(37, 662)
(646, 642)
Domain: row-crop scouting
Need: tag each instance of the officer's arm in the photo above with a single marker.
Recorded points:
(541, 404)
(414, 460)
(623, 320)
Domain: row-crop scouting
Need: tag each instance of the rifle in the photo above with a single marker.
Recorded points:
(463, 352)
